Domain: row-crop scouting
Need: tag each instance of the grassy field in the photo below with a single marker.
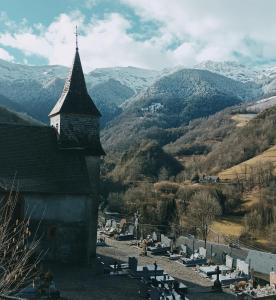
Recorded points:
(230, 226)
(243, 169)
(251, 198)
(243, 119)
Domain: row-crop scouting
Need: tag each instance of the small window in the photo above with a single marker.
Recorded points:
(57, 126)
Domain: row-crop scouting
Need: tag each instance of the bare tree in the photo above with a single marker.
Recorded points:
(18, 257)
(202, 211)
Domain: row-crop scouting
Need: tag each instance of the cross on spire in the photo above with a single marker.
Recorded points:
(76, 34)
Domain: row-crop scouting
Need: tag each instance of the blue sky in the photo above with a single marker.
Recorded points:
(143, 33)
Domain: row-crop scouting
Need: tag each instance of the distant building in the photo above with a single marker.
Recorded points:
(57, 171)
(209, 179)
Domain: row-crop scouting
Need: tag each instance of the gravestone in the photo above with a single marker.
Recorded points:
(217, 283)
(183, 249)
(155, 269)
(229, 262)
(146, 273)
(202, 252)
(165, 240)
(114, 224)
(243, 266)
(155, 294)
(131, 229)
(132, 263)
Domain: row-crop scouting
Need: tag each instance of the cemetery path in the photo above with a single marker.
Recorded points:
(120, 251)
(198, 287)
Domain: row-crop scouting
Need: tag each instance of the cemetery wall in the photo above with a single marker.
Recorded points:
(215, 251)
(262, 262)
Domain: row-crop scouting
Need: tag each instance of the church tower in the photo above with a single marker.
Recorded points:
(76, 120)
(75, 116)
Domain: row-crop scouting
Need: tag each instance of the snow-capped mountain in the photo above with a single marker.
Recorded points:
(135, 78)
(36, 88)
(43, 74)
(185, 83)
(261, 77)
(170, 102)
(16, 76)
(30, 85)
(262, 105)
(231, 70)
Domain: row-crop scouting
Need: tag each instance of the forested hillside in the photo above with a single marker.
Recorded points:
(165, 132)
(167, 106)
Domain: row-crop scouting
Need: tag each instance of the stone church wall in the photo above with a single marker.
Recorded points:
(78, 129)
(93, 167)
(62, 222)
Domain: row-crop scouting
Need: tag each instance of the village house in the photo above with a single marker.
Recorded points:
(56, 170)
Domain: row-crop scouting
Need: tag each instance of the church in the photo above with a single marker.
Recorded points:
(57, 172)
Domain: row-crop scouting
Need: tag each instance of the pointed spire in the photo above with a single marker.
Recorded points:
(75, 98)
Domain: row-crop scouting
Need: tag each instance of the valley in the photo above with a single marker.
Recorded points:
(167, 134)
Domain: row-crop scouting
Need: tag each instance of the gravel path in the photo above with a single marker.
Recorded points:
(199, 288)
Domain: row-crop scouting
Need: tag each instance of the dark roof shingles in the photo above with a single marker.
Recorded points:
(31, 155)
(75, 98)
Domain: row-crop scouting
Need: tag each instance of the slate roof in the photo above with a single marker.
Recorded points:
(89, 145)
(31, 154)
(75, 98)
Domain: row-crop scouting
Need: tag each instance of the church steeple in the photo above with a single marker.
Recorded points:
(75, 98)
(75, 116)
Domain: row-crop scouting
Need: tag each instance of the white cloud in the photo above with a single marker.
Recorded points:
(5, 55)
(103, 43)
(189, 31)
(219, 28)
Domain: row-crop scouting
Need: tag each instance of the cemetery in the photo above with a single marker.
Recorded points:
(159, 283)
(122, 230)
(197, 258)
(235, 272)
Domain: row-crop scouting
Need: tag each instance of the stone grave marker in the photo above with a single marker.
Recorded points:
(243, 266)
(183, 249)
(131, 229)
(108, 223)
(202, 252)
(154, 237)
(114, 224)
(132, 263)
(165, 240)
(155, 294)
(229, 262)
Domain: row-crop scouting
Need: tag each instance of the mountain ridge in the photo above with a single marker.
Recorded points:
(37, 88)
